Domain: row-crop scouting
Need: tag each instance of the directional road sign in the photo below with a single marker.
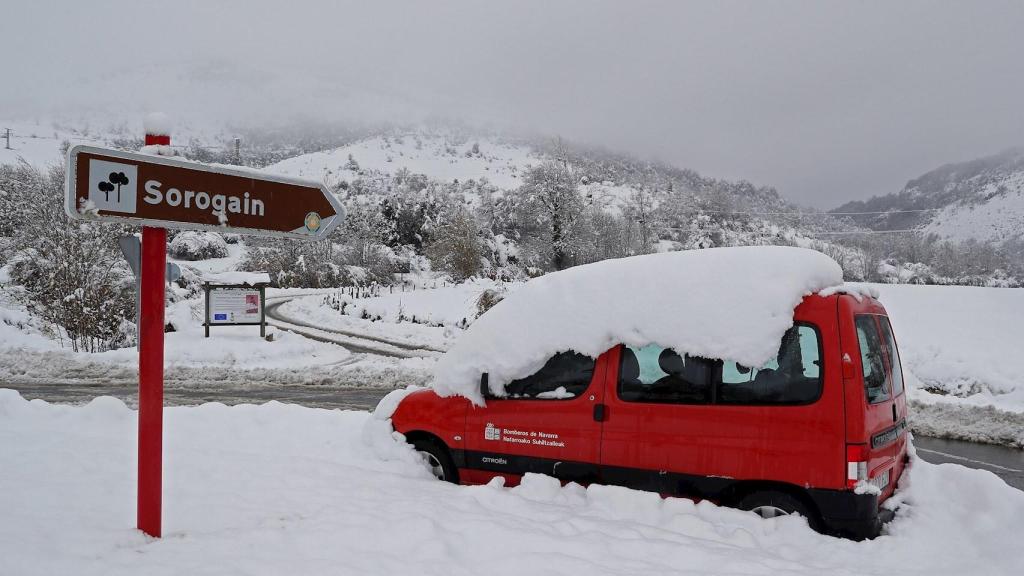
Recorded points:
(141, 189)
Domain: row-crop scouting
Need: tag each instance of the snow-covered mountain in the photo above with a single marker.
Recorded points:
(981, 199)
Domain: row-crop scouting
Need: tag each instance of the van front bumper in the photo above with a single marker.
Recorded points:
(850, 515)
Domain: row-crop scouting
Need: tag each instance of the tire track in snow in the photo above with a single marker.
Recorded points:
(353, 341)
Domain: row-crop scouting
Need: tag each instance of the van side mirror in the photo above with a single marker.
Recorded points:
(485, 389)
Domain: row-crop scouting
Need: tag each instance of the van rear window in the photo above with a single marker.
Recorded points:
(792, 377)
(892, 356)
(872, 359)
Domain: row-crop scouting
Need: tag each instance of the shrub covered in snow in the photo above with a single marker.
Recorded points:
(73, 276)
(456, 248)
(198, 246)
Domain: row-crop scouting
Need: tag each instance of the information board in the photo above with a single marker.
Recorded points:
(235, 306)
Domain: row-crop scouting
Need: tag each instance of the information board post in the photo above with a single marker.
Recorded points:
(263, 311)
(151, 371)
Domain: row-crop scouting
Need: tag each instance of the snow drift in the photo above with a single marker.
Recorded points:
(282, 489)
(733, 303)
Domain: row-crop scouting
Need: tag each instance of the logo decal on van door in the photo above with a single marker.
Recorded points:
(491, 432)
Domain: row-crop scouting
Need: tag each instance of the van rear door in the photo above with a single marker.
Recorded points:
(875, 404)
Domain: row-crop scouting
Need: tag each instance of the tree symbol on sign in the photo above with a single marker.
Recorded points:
(115, 178)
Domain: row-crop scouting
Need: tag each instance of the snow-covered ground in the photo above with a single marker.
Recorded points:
(232, 353)
(276, 489)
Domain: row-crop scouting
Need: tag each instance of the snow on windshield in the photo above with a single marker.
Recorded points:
(729, 303)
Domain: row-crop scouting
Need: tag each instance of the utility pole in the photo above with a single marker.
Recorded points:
(238, 150)
(8, 136)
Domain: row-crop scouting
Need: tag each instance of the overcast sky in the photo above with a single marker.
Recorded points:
(827, 101)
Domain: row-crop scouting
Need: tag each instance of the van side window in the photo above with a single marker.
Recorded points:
(792, 377)
(566, 375)
(892, 355)
(871, 359)
(657, 374)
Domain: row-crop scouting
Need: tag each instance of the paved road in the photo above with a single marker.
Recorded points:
(1007, 463)
(305, 395)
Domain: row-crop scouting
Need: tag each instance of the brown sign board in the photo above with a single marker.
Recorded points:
(140, 189)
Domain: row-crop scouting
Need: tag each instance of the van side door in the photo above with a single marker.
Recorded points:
(549, 423)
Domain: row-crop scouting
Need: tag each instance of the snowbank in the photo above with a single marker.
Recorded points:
(731, 303)
(277, 489)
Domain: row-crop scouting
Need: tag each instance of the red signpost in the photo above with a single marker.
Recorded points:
(151, 371)
(157, 192)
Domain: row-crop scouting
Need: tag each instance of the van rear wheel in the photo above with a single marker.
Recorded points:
(771, 504)
(438, 459)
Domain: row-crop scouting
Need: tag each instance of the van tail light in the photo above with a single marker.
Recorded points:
(856, 464)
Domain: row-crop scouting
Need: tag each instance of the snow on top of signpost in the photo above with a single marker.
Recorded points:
(727, 303)
(157, 123)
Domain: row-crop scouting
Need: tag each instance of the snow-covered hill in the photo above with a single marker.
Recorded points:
(442, 157)
(436, 156)
(981, 199)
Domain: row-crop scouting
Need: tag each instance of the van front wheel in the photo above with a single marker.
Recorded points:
(436, 456)
(771, 504)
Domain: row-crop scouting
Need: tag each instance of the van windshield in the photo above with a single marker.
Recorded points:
(872, 360)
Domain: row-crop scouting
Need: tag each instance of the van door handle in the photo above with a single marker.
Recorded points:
(600, 412)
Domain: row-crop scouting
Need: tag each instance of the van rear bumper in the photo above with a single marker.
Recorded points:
(851, 515)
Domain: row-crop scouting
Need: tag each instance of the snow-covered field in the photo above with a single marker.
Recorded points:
(962, 341)
(276, 489)
(960, 346)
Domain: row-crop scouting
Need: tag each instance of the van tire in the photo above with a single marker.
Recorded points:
(771, 503)
(437, 457)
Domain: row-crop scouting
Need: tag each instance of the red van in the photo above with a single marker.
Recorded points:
(819, 431)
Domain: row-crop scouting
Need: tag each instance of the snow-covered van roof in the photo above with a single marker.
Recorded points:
(729, 303)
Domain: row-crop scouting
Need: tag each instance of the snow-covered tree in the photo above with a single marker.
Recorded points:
(551, 190)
